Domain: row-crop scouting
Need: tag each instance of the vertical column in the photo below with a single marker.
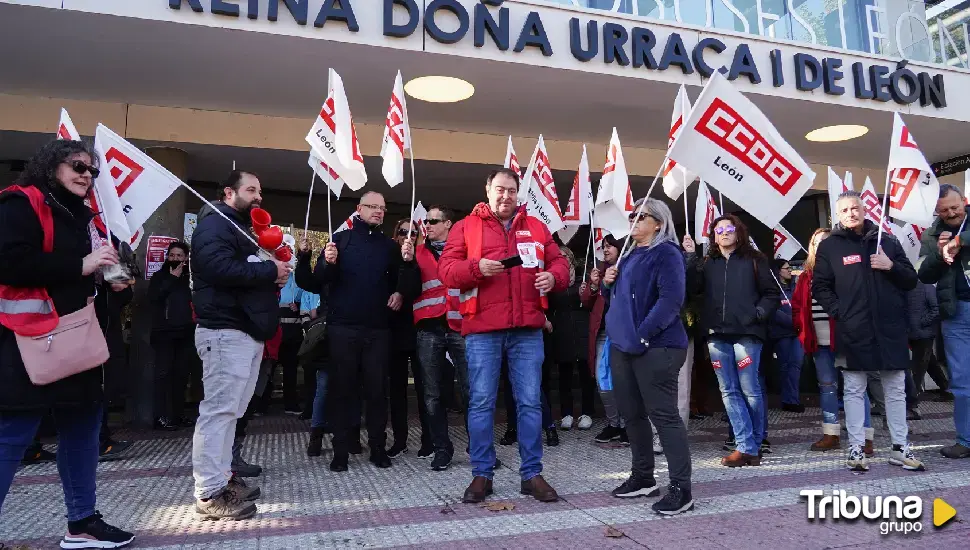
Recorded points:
(168, 221)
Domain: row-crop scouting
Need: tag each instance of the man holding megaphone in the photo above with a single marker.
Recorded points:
(235, 298)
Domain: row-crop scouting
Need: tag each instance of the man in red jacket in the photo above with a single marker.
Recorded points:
(503, 309)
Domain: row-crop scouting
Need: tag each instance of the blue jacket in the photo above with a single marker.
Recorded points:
(781, 325)
(646, 300)
(232, 289)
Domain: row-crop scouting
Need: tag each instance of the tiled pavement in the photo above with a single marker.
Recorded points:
(304, 505)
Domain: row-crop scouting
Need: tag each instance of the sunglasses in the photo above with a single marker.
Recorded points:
(433, 221)
(80, 167)
(402, 232)
(725, 229)
(634, 218)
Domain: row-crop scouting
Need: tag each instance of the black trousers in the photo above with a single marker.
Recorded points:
(398, 375)
(924, 361)
(289, 361)
(358, 368)
(586, 385)
(645, 387)
(173, 363)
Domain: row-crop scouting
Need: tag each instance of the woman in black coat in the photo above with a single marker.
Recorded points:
(63, 171)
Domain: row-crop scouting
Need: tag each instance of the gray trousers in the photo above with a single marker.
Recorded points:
(646, 391)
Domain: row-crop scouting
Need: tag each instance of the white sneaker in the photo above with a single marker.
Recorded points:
(857, 459)
(902, 455)
(585, 422)
(658, 449)
(567, 422)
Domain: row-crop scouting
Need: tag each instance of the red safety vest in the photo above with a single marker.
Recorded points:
(474, 226)
(30, 311)
(435, 300)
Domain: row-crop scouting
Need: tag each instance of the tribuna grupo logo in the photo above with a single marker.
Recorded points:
(894, 514)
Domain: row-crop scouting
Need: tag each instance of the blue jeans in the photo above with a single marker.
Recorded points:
(320, 400)
(736, 362)
(956, 342)
(434, 342)
(790, 358)
(523, 350)
(828, 389)
(77, 452)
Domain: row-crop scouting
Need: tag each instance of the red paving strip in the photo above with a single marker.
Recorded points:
(205, 532)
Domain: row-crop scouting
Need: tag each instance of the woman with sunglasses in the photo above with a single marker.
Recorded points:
(648, 349)
(740, 296)
(63, 172)
(816, 331)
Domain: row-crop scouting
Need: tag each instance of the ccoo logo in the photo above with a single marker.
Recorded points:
(122, 170)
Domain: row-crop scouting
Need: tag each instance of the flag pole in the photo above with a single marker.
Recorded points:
(413, 187)
(104, 218)
(885, 211)
(219, 212)
(306, 221)
(686, 215)
(640, 209)
(720, 196)
(329, 217)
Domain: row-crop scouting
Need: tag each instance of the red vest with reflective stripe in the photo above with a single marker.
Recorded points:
(474, 225)
(435, 300)
(30, 311)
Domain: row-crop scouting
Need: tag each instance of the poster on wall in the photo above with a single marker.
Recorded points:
(155, 256)
(191, 220)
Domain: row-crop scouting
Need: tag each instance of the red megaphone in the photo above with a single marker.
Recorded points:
(284, 254)
(270, 239)
(261, 221)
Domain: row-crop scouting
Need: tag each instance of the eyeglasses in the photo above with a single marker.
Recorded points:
(433, 221)
(80, 167)
(724, 229)
(375, 207)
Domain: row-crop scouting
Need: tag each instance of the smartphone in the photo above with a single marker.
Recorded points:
(512, 261)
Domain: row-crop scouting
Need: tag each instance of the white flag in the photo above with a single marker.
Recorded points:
(913, 188)
(418, 217)
(966, 187)
(909, 236)
(327, 174)
(614, 201)
(349, 224)
(733, 146)
(511, 161)
(785, 245)
(598, 235)
(676, 178)
(333, 136)
(705, 212)
(543, 201)
(874, 207)
(66, 129)
(131, 186)
(397, 135)
(847, 182)
(580, 201)
(836, 188)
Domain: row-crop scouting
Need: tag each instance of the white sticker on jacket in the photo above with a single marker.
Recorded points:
(528, 253)
(253, 259)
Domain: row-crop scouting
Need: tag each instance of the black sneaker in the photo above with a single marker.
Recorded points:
(397, 449)
(552, 437)
(624, 438)
(293, 410)
(765, 447)
(38, 455)
(165, 425)
(609, 433)
(426, 451)
(114, 450)
(93, 532)
(729, 444)
(355, 447)
(510, 437)
(441, 461)
(339, 462)
(793, 408)
(380, 459)
(636, 487)
(676, 501)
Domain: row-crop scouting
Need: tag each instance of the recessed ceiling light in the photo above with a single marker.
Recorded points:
(839, 132)
(439, 89)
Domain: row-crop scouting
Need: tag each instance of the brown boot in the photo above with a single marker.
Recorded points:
(539, 489)
(870, 452)
(734, 460)
(752, 460)
(827, 443)
(480, 488)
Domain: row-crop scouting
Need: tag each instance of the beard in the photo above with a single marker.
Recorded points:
(240, 205)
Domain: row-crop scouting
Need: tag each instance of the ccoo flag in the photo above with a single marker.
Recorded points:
(397, 135)
(580, 201)
(785, 245)
(333, 136)
(614, 201)
(540, 188)
(511, 161)
(733, 146)
(676, 178)
(913, 188)
(66, 129)
(327, 174)
(705, 212)
(873, 206)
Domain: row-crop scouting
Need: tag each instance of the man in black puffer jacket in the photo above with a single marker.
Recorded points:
(864, 290)
(235, 297)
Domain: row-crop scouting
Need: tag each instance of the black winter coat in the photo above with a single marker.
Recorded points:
(781, 325)
(739, 299)
(171, 300)
(362, 280)
(868, 305)
(25, 264)
(923, 311)
(570, 325)
(233, 289)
